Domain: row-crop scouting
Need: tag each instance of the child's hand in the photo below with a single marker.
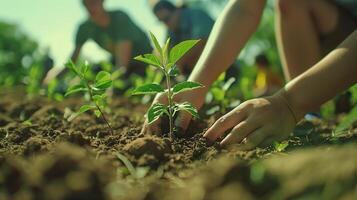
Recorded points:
(255, 122)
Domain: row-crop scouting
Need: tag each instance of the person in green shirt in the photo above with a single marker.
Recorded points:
(116, 33)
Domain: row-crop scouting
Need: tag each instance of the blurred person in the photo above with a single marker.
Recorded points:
(185, 23)
(306, 31)
(116, 33)
(267, 81)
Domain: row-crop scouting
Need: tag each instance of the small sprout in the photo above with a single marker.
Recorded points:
(166, 63)
(280, 147)
(95, 89)
(33, 80)
(137, 173)
(27, 122)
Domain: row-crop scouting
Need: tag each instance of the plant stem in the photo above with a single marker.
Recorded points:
(105, 119)
(100, 110)
(169, 96)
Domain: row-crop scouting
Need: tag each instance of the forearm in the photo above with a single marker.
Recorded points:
(231, 32)
(123, 52)
(59, 72)
(335, 73)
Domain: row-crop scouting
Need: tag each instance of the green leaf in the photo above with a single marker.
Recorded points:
(279, 147)
(156, 43)
(97, 113)
(103, 80)
(127, 164)
(174, 71)
(178, 51)
(102, 76)
(218, 93)
(151, 88)
(165, 51)
(228, 84)
(149, 59)
(98, 97)
(75, 89)
(71, 66)
(84, 67)
(85, 108)
(155, 112)
(185, 86)
(347, 121)
(188, 107)
(170, 65)
(82, 109)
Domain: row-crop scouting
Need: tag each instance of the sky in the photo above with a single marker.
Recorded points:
(53, 23)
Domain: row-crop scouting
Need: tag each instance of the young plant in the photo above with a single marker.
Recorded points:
(95, 89)
(33, 80)
(166, 64)
(52, 92)
(280, 146)
(218, 95)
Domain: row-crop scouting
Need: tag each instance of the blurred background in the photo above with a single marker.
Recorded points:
(51, 25)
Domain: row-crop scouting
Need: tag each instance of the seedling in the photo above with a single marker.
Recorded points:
(52, 90)
(166, 63)
(95, 89)
(280, 146)
(33, 80)
(218, 94)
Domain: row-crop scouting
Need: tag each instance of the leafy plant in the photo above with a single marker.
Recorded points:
(151, 76)
(166, 64)
(52, 92)
(96, 89)
(33, 80)
(218, 95)
(17, 53)
(280, 146)
(347, 121)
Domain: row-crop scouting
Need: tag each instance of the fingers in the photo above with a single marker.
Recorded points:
(254, 139)
(183, 120)
(225, 123)
(239, 132)
(153, 128)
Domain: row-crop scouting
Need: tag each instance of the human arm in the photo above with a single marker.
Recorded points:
(263, 120)
(123, 52)
(232, 30)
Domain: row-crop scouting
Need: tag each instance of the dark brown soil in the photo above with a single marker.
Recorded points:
(43, 156)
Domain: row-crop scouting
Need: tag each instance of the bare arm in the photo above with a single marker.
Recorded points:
(76, 52)
(123, 52)
(191, 58)
(335, 73)
(231, 32)
(55, 72)
(263, 120)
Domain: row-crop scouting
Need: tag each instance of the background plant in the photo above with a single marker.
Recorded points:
(96, 89)
(166, 64)
(219, 97)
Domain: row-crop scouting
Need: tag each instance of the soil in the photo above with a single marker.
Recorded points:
(43, 156)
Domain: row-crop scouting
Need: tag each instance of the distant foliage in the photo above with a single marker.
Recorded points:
(18, 54)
